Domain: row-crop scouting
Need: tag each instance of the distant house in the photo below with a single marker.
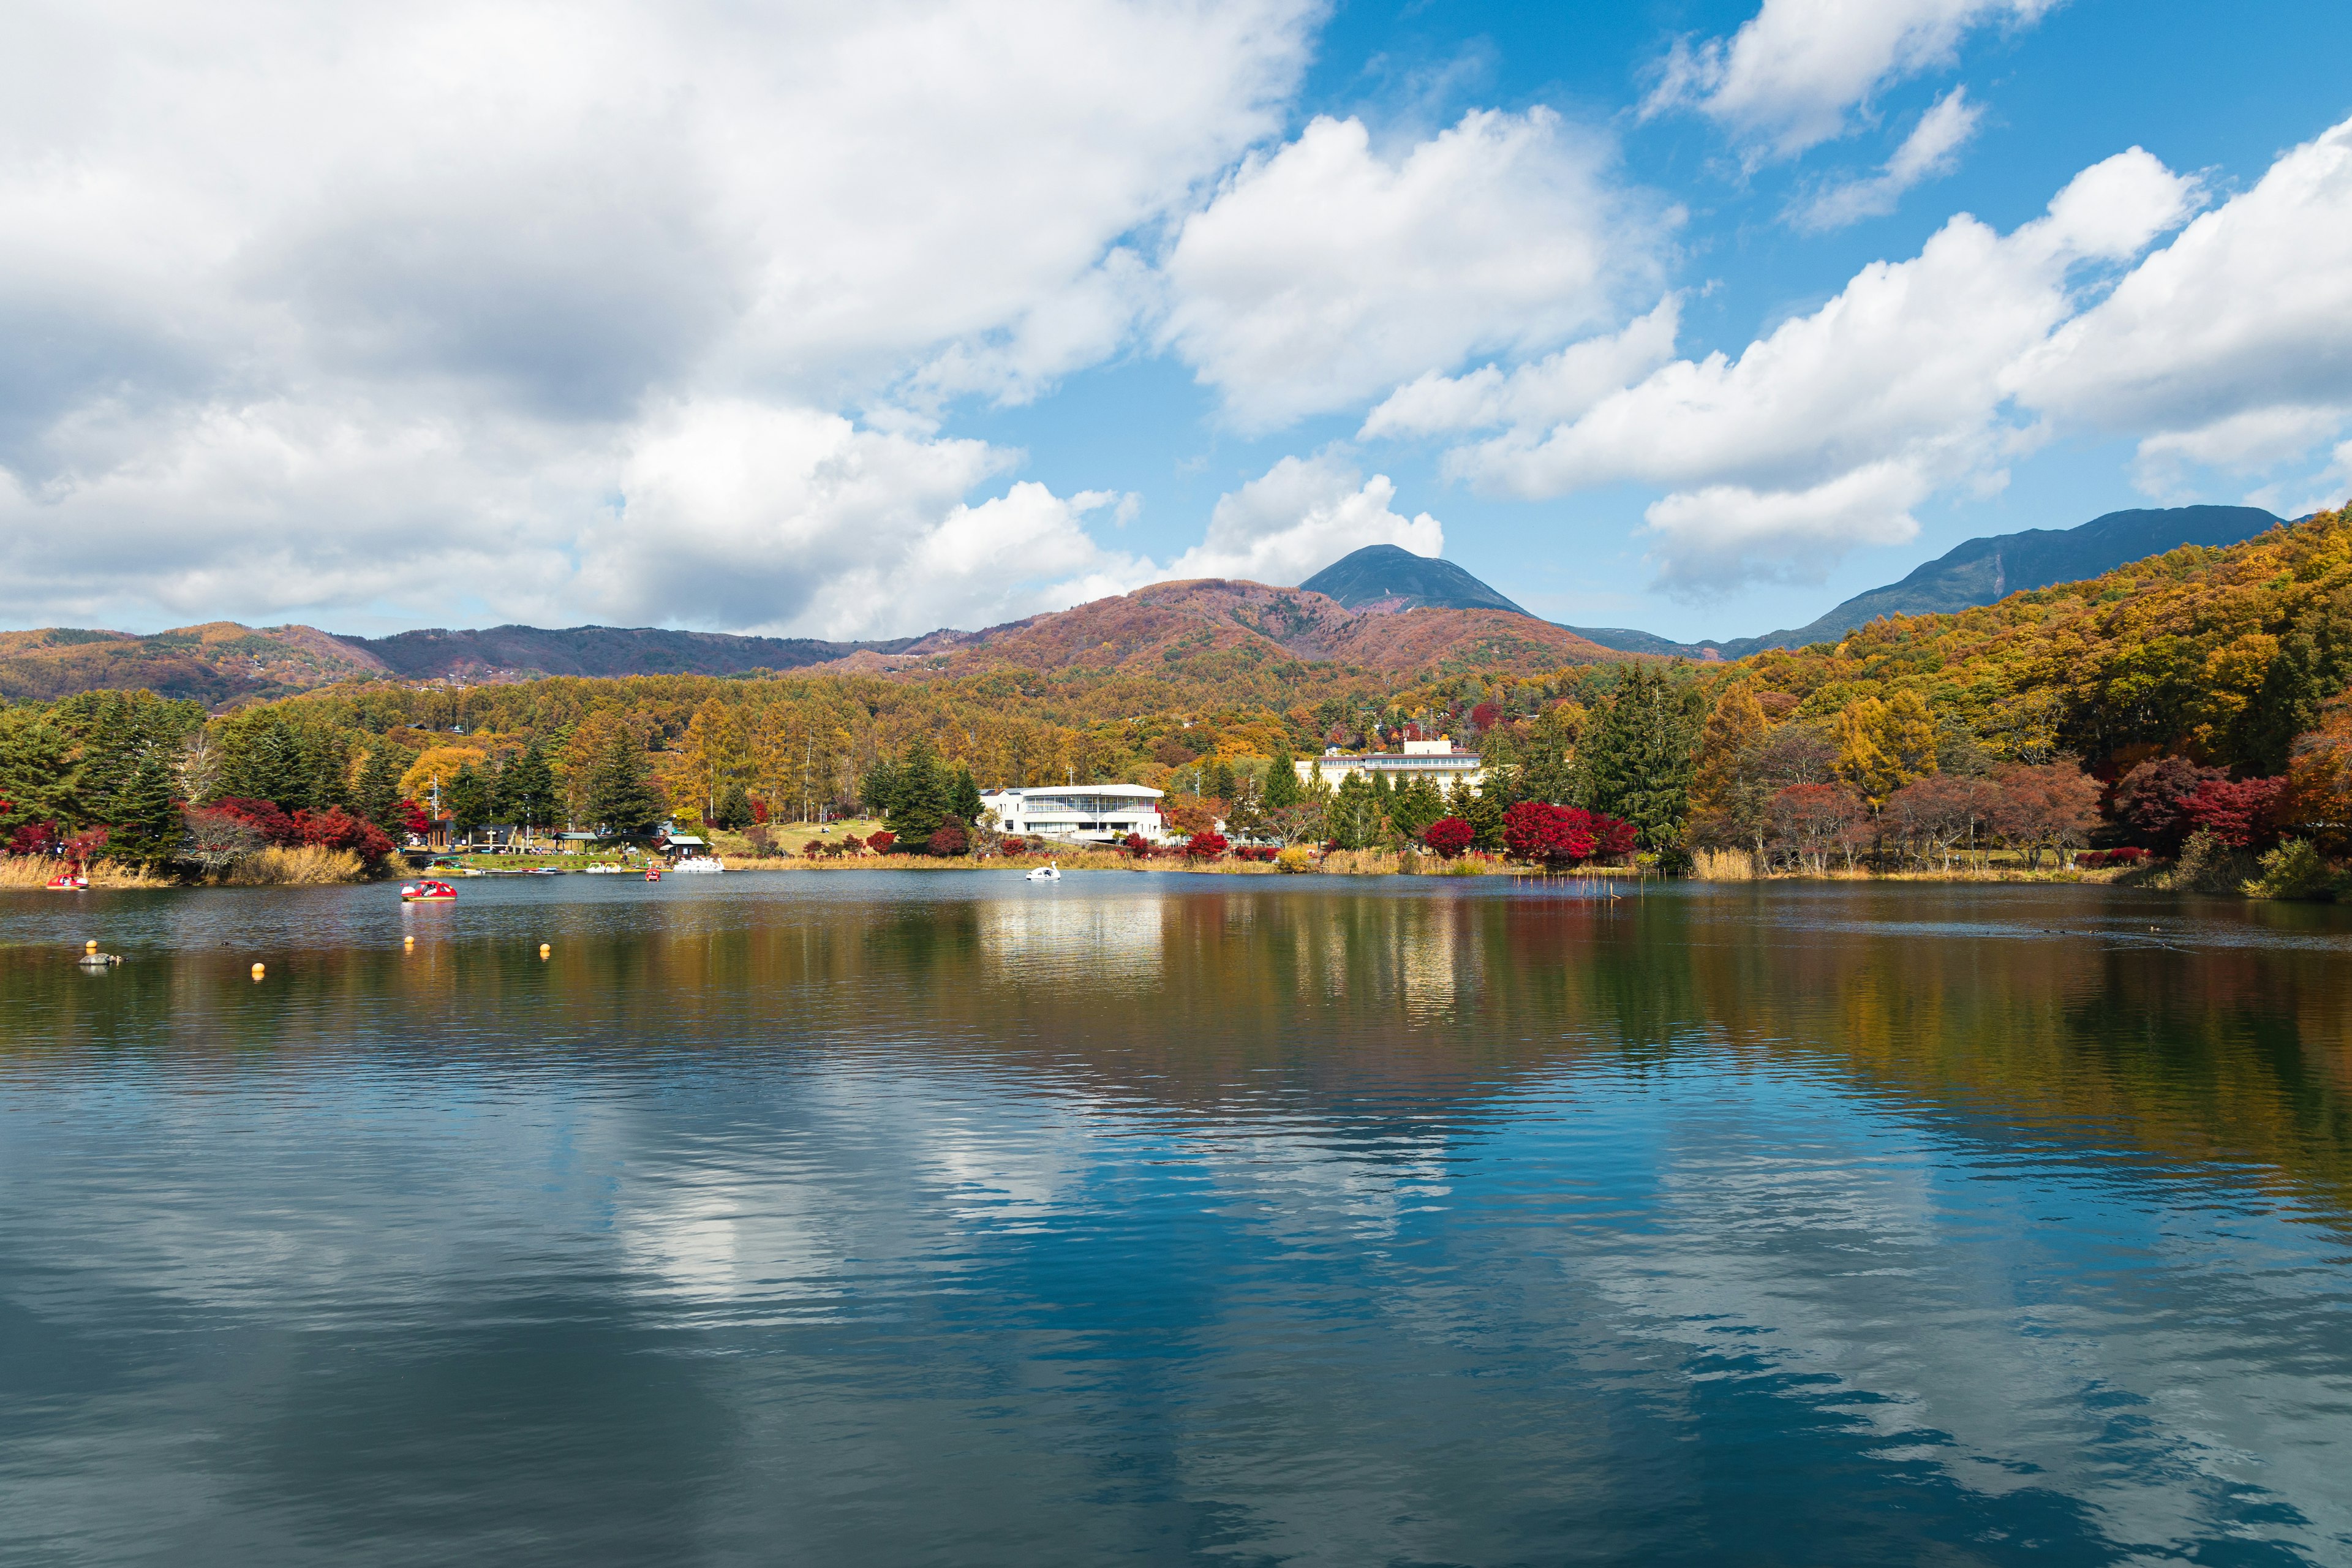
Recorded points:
(1438, 760)
(1079, 814)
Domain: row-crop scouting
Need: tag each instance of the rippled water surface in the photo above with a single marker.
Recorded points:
(884, 1218)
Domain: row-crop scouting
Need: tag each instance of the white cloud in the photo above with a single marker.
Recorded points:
(1297, 518)
(1560, 387)
(1717, 538)
(1325, 273)
(798, 522)
(1790, 79)
(1931, 151)
(2232, 345)
(299, 300)
(1900, 377)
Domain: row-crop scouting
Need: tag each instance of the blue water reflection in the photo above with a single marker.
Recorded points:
(936, 1219)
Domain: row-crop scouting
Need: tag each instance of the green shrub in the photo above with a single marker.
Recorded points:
(2294, 870)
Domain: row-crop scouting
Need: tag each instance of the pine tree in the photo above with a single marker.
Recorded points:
(923, 796)
(146, 827)
(621, 798)
(1281, 782)
(467, 799)
(1644, 754)
(1221, 780)
(735, 808)
(527, 788)
(377, 798)
(36, 783)
(1352, 819)
(1415, 807)
(963, 800)
(877, 792)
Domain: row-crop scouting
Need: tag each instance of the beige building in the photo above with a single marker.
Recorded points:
(1439, 762)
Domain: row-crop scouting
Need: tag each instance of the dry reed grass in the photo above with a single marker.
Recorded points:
(1723, 866)
(34, 871)
(302, 866)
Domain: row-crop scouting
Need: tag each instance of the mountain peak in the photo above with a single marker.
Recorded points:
(1389, 577)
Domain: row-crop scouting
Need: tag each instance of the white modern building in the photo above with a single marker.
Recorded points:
(1081, 813)
(1437, 761)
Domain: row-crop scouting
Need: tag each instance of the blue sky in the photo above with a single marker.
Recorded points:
(855, 324)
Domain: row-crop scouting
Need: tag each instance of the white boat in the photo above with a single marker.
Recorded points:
(607, 870)
(693, 863)
(1049, 872)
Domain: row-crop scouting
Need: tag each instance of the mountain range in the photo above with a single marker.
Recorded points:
(1378, 608)
(1985, 570)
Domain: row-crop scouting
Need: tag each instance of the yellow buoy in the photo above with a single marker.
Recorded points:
(91, 945)
(544, 950)
(257, 972)
(408, 942)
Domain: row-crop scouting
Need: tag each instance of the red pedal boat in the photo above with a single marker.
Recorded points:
(69, 882)
(427, 893)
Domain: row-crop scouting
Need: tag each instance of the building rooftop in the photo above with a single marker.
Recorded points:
(1127, 791)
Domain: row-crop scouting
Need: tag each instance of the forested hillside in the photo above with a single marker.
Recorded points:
(2199, 691)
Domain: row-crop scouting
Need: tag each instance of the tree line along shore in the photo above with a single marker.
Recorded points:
(2180, 721)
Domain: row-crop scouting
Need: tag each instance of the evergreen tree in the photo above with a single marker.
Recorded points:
(2310, 666)
(1484, 809)
(963, 800)
(146, 827)
(621, 798)
(36, 783)
(735, 808)
(262, 758)
(467, 799)
(377, 798)
(1221, 782)
(1415, 808)
(1352, 818)
(526, 793)
(1281, 782)
(878, 794)
(922, 798)
(1642, 755)
(326, 769)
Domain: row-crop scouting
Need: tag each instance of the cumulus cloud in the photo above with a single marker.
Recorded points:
(1297, 518)
(799, 521)
(2231, 345)
(1324, 273)
(1559, 386)
(1931, 151)
(1793, 74)
(299, 300)
(1828, 430)
(1721, 536)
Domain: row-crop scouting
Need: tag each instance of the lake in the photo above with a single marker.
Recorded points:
(904, 1218)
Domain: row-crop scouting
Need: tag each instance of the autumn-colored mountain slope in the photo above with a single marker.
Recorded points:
(1212, 628)
(2222, 654)
(214, 663)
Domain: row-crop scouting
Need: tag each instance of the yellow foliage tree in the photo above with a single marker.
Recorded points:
(1884, 744)
(1737, 723)
(441, 762)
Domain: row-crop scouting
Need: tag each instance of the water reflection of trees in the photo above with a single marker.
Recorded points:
(1433, 1010)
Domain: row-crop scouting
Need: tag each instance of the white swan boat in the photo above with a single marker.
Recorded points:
(687, 865)
(1046, 873)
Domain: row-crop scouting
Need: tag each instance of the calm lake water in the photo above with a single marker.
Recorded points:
(873, 1218)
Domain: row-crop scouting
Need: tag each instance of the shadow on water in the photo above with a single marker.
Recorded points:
(940, 1219)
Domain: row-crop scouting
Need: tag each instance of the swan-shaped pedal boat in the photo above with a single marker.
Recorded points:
(1050, 872)
(427, 893)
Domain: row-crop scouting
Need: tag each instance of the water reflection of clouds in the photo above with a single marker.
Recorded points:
(1828, 1254)
(1100, 942)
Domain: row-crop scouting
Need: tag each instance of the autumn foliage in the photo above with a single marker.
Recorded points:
(1543, 834)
